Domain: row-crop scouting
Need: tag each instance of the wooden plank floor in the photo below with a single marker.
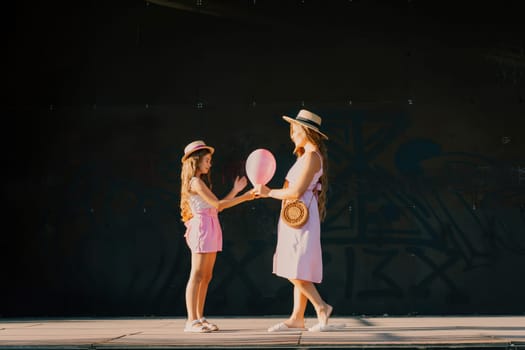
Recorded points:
(250, 332)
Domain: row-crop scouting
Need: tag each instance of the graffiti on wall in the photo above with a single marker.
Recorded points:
(411, 228)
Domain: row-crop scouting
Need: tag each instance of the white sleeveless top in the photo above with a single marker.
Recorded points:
(197, 203)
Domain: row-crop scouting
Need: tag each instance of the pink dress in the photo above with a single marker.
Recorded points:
(298, 253)
(203, 230)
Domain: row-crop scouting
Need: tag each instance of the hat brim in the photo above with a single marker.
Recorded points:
(211, 149)
(292, 120)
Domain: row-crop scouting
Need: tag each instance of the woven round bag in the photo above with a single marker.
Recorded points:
(294, 213)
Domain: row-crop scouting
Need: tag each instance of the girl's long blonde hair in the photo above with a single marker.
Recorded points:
(189, 167)
(316, 138)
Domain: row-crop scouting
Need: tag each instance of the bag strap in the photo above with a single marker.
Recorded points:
(285, 185)
(311, 198)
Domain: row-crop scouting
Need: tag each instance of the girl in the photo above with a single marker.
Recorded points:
(298, 255)
(199, 209)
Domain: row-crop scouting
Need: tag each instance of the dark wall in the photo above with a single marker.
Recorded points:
(423, 104)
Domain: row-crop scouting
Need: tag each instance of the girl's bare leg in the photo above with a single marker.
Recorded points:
(194, 282)
(207, 268)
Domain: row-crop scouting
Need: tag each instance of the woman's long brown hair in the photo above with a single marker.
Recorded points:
(316, 138)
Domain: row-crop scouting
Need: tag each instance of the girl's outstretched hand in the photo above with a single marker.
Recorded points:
(240, 183)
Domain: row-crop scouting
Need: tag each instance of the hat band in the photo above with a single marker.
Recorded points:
(308, 121)
(196, 148)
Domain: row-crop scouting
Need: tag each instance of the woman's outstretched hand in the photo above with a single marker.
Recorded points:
(261, 191)
(240, 183)
(251, 194)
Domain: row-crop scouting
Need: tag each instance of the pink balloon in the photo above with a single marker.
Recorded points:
(260, 166)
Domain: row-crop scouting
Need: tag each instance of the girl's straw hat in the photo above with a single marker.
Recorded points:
(307, 119)
(195, 146)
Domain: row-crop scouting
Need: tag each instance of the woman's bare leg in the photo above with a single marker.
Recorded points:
(296, 319)
(322, 309)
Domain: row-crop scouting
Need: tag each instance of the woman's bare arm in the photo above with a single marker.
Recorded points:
(312, 165)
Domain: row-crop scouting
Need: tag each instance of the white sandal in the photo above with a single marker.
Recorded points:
(212, 327)
(196, 327)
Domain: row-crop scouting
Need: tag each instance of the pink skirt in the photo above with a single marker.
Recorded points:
(203, 232)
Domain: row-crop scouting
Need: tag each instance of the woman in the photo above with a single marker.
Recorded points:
(298, 255)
